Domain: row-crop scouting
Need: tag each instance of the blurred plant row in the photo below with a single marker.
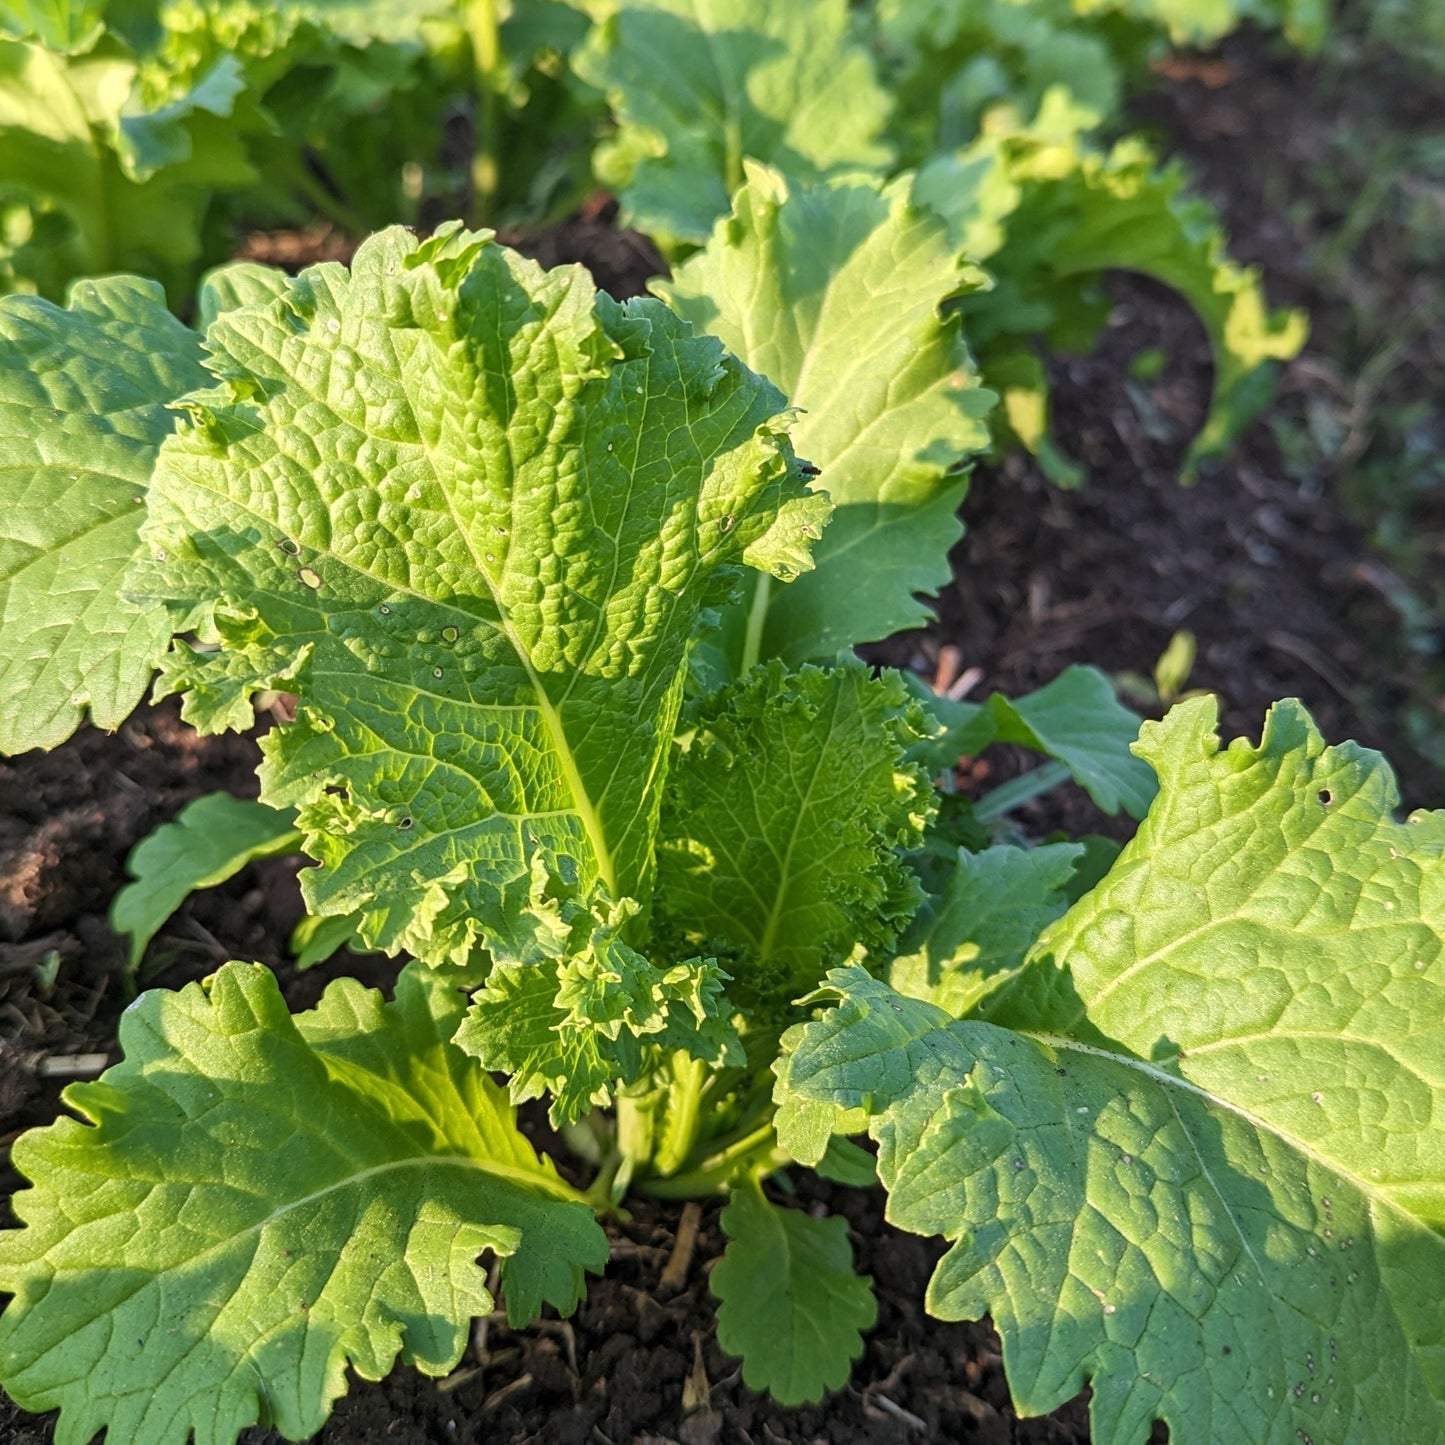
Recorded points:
(148, 137)
(1360, 187)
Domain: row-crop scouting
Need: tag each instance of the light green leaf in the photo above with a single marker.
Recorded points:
(1192, 1159)
(358, 90)
(950, 60)
(1076, 718)
(577, 1028)
(789, 1304)
(516, 1027)
(78, 168)
(51, 170)
(69, 26)
(83, 395)
(366, 22)
(1176, 662)
(953, 59)
(256, 1202)
(1073, 213)
(211, 840)
(273, 43)
(835, 1074)
(471, 513)
(1269, 918)
(152, 140)
(834, 292)
(781, 823)
(845, 1163)
(236, 284)
(1205, 22)
(700, 86)
(969, 938)
(314, 939)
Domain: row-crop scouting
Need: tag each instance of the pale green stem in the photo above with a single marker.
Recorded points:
(636, 1116)
(733, 157)
(683, 1101)
(1018, 791)
(757, 620)
(757, 1153)
(600, 1193)
(486, 60)
(560, 1189)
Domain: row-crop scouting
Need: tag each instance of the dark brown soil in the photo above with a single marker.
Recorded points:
(640, 1362)
(1270, 576)
(1326, 176)
(1282, 593)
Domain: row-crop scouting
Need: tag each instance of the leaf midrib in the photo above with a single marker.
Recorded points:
(584, 807)
(581, 797)
(542, 705)
(770, 929)
(527, 1180)
(1293, 1142)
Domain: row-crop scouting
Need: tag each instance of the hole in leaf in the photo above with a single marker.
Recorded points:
(1326, 797)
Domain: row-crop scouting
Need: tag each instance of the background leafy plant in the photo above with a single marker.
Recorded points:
(993, 108)
(141, 137)
(1359, 418)
(178, 121)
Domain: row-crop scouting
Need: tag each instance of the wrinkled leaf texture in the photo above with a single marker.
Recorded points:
(700, 86)
(784, 821)
(1189, 1153)
(836, 291)
(256, 1201)
(83, 397)
(472, 514)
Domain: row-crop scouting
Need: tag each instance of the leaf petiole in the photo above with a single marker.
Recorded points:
(757, 1154)
(1018, 791)
(684, 1100)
